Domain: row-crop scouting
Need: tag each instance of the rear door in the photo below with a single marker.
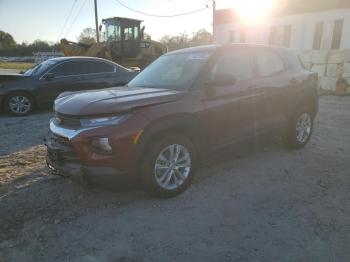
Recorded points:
(273, 82)
(229, 107)
(104, 74)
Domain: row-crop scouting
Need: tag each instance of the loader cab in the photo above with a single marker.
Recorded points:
(123, 36)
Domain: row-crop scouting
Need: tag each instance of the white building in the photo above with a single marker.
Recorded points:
(302, 25)
(318, 29)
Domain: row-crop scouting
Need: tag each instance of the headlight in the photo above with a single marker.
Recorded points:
(102, 121)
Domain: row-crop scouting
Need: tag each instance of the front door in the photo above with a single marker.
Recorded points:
(228, 97)
(67, 76)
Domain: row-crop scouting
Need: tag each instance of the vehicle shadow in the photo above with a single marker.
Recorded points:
(226, 159)
(40, 195)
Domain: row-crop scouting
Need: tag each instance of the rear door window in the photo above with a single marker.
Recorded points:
(269, 63)
(72, 68)
(235, 63)
(93, 67)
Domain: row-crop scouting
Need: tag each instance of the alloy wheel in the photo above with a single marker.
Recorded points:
(19, 104)
(172, 166)
(303, 128)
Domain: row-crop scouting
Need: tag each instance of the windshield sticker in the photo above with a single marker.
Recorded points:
(198, 56)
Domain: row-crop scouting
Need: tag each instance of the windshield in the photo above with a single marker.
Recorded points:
(175, 71)
(40, 68)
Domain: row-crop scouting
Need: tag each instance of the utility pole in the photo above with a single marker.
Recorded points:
(96, 23)
(214, 8)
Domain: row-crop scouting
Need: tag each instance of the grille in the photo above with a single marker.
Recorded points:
(60, 150)
(68, 121)
(59, 140)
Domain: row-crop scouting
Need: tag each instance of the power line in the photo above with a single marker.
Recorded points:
(67, 18)
(164, 16)
(75, 18)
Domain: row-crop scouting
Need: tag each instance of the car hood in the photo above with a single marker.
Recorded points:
(112, 100)
(11, 77)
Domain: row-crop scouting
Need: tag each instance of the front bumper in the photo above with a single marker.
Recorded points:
(69, 154)
(83, 174)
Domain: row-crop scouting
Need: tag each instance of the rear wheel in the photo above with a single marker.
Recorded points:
(168, 167)
(19, 104)
(300, 129)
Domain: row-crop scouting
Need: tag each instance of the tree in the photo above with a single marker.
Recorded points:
(201, 37)
(6, 40)
(175, 42)
(40, 46)
(87, 36)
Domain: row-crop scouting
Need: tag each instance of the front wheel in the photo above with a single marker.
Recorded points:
(19, 104)
(300, 130)
(168, 167)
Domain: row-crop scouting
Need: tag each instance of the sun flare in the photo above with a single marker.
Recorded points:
(253, 11)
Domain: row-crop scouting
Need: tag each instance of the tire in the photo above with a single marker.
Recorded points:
(178, 173)
(300, 129)
(19, 104)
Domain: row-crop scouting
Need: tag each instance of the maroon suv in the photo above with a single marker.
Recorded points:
(185, 103)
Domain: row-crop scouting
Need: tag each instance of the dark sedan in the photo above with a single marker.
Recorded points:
(40, 85)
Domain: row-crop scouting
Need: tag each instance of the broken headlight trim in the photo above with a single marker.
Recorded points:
(101, 145)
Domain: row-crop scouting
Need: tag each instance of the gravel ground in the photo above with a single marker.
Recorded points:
(257, 203)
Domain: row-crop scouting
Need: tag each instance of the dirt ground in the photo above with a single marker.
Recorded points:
(257, 203)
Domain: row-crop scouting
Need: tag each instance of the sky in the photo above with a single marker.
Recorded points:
(28, 20)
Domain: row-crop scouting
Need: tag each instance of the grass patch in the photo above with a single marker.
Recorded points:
(16, 65)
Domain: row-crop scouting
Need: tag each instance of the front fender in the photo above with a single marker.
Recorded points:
(184, 124)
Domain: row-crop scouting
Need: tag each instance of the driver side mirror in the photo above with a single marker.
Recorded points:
(49, 76)
(221, 80)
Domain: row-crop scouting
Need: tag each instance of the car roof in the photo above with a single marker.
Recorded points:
(72, 58)
(214, 47)
(86, 58)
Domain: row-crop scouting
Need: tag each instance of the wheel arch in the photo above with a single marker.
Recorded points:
(183, 124)
(30, 94)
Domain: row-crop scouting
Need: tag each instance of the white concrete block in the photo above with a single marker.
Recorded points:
(319, 57)
(319, 82)
(305, 56)
(333, 70)
(308, 66)
(319, 69)
(328, 83)
(348, 80)
(346, 70)
(346, 55)
(336, 57)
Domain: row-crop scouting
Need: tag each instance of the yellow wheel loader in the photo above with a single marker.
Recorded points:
(125, 44)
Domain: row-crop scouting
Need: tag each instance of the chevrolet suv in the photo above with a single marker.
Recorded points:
(185, 104)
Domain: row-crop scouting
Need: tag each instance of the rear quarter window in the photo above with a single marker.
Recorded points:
(293, 60)
(269, 63)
